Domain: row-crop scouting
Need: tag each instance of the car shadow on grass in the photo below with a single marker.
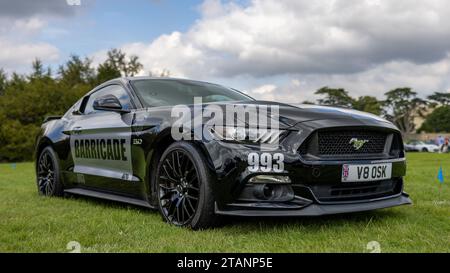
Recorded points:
(355, 218)
(249, 224)
(105, 203)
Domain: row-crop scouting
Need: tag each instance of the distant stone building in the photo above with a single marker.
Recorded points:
(419, 120)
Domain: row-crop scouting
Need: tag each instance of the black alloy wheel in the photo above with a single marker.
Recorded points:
(47, 171)
(184, 189)
(178, 188)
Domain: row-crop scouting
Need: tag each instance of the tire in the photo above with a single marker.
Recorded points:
(48, 173)
(184, 189)
(425, 150)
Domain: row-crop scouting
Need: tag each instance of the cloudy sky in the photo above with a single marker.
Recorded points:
(272, 49)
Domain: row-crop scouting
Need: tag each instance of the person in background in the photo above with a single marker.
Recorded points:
(445, 145)
(441, 143)
(436, 140)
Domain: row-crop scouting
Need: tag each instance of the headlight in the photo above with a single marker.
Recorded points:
(252, 135)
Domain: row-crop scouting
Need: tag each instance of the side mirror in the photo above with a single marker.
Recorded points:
(109, 103)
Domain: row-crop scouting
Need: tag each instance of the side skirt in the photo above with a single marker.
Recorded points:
(111, 197)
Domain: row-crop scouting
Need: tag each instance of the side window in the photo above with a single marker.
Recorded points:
(115, 90)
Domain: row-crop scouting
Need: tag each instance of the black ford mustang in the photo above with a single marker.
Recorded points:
(118, 143)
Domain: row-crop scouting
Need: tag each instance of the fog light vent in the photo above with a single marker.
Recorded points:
(270, 179)
(273, 192)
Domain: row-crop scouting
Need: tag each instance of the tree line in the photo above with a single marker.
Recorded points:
(400, 106)
(25, 100)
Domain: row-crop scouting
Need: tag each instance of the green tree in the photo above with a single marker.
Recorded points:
(442, 98)
(29, 101)
(17, 82)
(438, 121)
(368, 104)
(25, 100)
(133, 66)
(116, 65)
(401, 107)
(24, 104)
(39, 71)
(334, 97)
(76, 78)
(76, 71)
(106, 72)
(339, 97)
(17, 140)
(3, 81)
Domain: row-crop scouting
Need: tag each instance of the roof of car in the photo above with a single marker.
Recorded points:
(160, 78)
(126, 80)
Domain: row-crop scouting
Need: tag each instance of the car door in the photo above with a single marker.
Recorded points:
(100, 144)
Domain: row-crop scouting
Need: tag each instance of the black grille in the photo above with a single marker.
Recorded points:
(340, 142)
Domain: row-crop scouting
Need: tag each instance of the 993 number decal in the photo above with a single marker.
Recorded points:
(266, 162)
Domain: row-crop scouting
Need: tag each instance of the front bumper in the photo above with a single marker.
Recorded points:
(316, 187)
(314, 209)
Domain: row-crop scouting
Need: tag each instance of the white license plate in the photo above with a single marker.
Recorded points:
(366, 172)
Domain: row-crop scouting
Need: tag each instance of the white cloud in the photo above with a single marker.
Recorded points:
(426, 79)
(264, 89)
(17, 48)
(27, 8)
(366, 46)
(264, 92)
(295, 82)
(21, 24)
(30, 25)
(14, 56)
(274, 37)
(183, 60)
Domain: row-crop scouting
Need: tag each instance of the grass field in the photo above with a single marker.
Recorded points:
(30, 223)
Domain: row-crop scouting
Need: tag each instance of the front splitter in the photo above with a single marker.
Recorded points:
(318, 209)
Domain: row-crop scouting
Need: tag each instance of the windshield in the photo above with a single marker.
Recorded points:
(175, 92)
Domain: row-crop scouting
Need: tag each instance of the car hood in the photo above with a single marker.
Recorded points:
(290, 116)
(293, 115)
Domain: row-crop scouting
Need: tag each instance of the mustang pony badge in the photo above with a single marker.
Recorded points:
(358, 143)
